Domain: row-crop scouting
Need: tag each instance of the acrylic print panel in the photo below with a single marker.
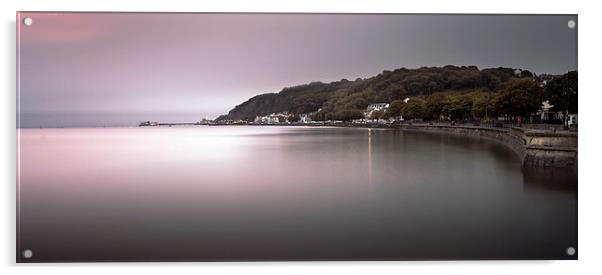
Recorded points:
(236, 137)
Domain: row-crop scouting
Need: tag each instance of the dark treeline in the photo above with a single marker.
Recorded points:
(457, 93)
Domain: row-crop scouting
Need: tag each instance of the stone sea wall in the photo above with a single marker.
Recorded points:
(534, 148)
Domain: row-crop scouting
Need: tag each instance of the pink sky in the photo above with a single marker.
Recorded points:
(187, 66)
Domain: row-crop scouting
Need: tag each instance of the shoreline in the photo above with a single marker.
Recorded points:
(535, 148)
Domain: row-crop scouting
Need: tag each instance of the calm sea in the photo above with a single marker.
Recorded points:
(279, 193)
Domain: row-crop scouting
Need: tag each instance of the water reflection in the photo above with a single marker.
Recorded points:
(370, 155)
(226, 193)
(553, 178)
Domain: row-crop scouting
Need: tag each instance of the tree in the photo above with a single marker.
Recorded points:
(482, 106)
(434, 105)
(413, 109)
(458, 107)
(518, 97)
(319, 116)
(294, 118)
(394, 109)
(339, 96)
(561, 93)
(347, 115)
(393, 92)
(455, 107)
(377, 114)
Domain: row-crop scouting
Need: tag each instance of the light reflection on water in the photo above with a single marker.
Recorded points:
(370, 155)
(219, 193)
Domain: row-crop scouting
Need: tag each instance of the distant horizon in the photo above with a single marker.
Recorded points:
(117, 69)
(129, 119)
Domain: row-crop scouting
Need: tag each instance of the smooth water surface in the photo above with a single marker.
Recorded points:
(278, 193)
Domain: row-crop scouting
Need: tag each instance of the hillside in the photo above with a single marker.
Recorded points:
(345, 95)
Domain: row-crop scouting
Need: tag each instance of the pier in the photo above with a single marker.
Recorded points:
(169, 124)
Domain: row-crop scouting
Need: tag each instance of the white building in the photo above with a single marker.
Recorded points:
(376, 107)
(545, 115)
(274, 118)
(371, 108)
(305, 118)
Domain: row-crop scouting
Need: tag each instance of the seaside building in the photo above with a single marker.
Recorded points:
(377, 107)
(274, 118)
(545, 115)
(370, 109)
(305, 118)
(374, 107)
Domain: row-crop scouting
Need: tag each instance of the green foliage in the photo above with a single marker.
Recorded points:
(392, 92)
(493, 78)
(377, 114)
(415, 108)
(518, 97)
(394, 109)
(348, 115)
(343, 115)
(562, 93)
(346, 97)
(482, 105)
(294, 118)
(319, 116)
(299, 99)
(458, 107)
(435, 104)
